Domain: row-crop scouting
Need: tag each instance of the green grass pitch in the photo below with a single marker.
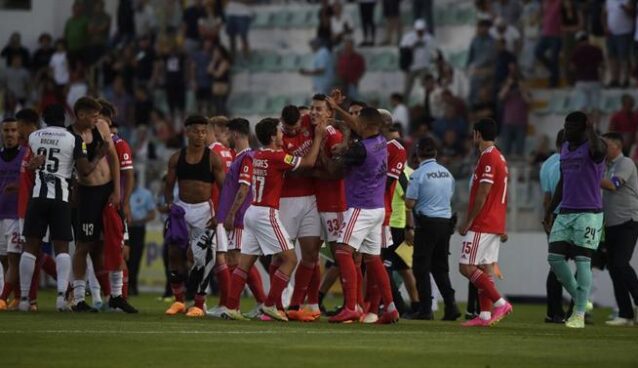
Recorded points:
(150, 339)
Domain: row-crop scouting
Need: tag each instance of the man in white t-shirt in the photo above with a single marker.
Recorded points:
(400, 113)
(341, 24)
(619, 26)
(512, 37)
(59, 64)
(423, 48)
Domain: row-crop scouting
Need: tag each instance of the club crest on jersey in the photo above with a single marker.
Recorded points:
(84, 150)
(306, 133)
(289, 159)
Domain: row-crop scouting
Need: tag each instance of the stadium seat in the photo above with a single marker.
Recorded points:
(290, 62)
(271, 62)
(262, 20)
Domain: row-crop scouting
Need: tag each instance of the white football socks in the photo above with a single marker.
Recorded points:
(117, 281)
(485, 316)
(499, 303)
(94, 284)
(63, 270)
(79, 289)
(27, 266)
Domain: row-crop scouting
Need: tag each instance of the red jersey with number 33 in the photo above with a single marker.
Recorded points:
(299, 145)
(269, 167)
(397, 157)
(492, 169)
(331, 194)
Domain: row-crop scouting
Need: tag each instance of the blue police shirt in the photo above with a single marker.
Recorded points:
(550, 175)
(141, 203)
(432, 187)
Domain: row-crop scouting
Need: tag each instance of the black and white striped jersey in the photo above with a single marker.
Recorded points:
(60, 149)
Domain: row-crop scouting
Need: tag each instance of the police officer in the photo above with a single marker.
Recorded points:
(620, 205)
(429, 198)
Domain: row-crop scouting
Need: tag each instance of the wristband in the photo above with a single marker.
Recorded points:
(616, 181)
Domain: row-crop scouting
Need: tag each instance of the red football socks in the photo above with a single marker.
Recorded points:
(179, 291)
(348, 277)
(48, 265)
(302, 280)
(105, 282)
(125, 283)
(6, 291)
(360, 299)
(222, 273)
(486, 288)
(237, 284)
(272, 269)
(375, 267)
(313, 287)
(277, 286)
(256, 285)
(200, 299)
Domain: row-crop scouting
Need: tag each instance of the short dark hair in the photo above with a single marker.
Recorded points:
(290, 115)
(29, 116)
(397, 96)
(372, 117)
(578, 117)
(488, 129)
(196, 120)
(396, 127)
(358, 103)
(485, 23)
(86, 103)
(303, 107)
(9, 119)
(560, 138)
(266, 129)
(322, 97)
(108, 110)
(614, 136)
(239, 125)
(426, 148)
(54, 115)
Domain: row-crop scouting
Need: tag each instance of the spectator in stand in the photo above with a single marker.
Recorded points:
(530, 19)
(625, 121)
(341, 25)
(509, 10)
(238, 16)
(452, 148)
(201, 80)
(14, 47)
(432, 103)
(515, 100)
(504, 58)
(485, 106)
(145, 59)
(366, 11)
(125, 20)
(124, 104)
(49, 93)
(447, 97)
(400, 113)
(507, 32)
(483, 10)
(42, 56)
(145, 19)
(59, 65)
(451, 120)
(143, 106)
(571, 23)
(210, 27)
(17, 80)
(170, 15)
(76, 34)
(586, 66)
(351, 66)
(418, 47)
(219, 69)
(324, 30)
(481, 59)
(190, 25)
(99, 29)
(392, 15)
(142, 212)
(175, 69)
(77, 87)
(453, 80)
(619, 27)
(550, 41)
(593, 20)
(323, 68)
(424, 9)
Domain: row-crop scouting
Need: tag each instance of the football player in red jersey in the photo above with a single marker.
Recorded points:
(484, 225)
(218, 143)
(264, 233)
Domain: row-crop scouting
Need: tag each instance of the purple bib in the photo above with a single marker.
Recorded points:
(229, 190)
(10, 174)
(581, 179)
(365, 184)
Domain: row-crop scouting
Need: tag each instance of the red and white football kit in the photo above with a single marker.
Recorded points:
(331, 194)
(481, 244)
(298, 203)
(264, 233)
(397, 157)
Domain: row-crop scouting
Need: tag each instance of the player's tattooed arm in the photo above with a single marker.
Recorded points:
(340, 148)
(171, 179)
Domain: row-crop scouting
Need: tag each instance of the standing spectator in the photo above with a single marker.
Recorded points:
(324, 29)
(125, 20)
(351, 66)
(76, 34)
(483, 10)
(145, 59)
(323, 68)
(78, 87)
(481, 59)
(219, 69)
(625, 121)
(452, 119)
(42, 56)
(14, 47)
(419, 47)
(202, 81)
(515, 99)
(145, 19)
(210, 27)
(366, 11)
(142, 212)
(99, 31)
(424, 9)
(143, 106)
(485, 106)
(59, 65)
(502, 65)
(392, 15)
(507, 32)
(454, 80)
(620, 205)
(341, 25)
(17, 80)
(175, 69)
(587, 64)
(400, 113)
(530, 19)
(551, 40)
(124, 103)
(509, 10)
(619, 26)
(238, 16)
(190, 25)
(169, 16)
(571, 23)
(432, 103)
(428, 198)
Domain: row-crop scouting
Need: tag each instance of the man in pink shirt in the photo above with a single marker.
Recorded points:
(548, 47)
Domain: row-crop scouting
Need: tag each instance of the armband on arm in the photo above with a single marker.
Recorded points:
(616, 181)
